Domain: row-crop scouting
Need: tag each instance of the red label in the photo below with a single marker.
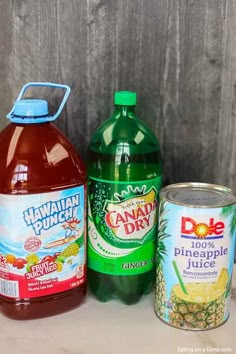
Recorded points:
(36, 288)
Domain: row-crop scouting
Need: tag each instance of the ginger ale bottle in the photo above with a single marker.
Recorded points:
(124, 168)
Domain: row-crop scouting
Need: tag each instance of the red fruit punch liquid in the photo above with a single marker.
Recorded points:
(42, 223)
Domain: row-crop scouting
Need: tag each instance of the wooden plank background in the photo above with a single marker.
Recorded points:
(178, 55)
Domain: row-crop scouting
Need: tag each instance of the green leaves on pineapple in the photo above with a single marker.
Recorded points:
(161, 253)
(162, 234)
(80, 241)
(230, 211)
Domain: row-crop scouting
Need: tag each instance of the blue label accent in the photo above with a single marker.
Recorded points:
(202, 239)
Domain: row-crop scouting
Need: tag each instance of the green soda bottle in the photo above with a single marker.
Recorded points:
(124, 167)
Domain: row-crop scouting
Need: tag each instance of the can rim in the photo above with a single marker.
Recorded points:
(202, 186)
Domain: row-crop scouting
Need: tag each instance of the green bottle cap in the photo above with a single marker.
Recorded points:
(125, 98)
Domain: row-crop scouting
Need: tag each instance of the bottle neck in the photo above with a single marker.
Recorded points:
(124, 111)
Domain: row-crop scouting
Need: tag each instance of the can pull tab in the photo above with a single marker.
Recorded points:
(46, 84)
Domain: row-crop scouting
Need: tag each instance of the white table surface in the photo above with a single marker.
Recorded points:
(113, 328)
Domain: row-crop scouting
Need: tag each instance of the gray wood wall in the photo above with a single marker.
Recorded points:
(178, 55)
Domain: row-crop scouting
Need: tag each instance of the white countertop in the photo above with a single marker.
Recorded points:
(113, 328)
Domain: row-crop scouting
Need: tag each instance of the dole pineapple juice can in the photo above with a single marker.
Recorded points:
(195, 255)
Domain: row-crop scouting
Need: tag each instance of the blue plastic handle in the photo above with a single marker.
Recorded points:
(47, 84)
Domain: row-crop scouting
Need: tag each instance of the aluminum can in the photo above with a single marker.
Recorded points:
(195, 255)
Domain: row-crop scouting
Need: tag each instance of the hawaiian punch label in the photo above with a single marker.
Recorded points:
(122, 226)
(42, 243)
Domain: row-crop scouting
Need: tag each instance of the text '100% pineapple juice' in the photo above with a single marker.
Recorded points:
(42, 187)
(124, 168)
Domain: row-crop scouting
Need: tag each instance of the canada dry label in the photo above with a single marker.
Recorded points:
(41, 243)
(122, 225)
(195, 255)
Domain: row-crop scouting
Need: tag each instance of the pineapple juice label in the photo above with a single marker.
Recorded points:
(42, 243)
(195, 254)
(122, 226)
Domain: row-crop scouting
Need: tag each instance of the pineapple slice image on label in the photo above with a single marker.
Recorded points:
(222, 280)
(203, 306)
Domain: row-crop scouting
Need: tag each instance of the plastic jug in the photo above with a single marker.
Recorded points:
(42, 213)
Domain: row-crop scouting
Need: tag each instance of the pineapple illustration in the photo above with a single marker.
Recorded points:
(160, 300)
(203, 306)
(71, 250)
(230, 212)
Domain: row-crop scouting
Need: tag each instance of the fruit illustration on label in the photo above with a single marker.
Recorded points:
(49, 259)
(32, 266)
(10, 258)
(161, 254)
(59, 266)
(71, 250)
(32, 258)
(19, 263)
(203, 306)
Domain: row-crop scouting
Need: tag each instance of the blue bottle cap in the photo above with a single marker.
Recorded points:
(31, 108)
(31, 111)
(27, 110)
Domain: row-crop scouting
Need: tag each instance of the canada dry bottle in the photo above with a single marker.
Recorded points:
(42, 185)
(124, 170)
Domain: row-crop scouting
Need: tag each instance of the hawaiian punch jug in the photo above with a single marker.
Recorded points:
(42, 202)
(124, 168)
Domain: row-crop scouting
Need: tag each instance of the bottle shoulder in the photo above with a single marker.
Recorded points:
(124, 152)
(36, 157)
(128, 131)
